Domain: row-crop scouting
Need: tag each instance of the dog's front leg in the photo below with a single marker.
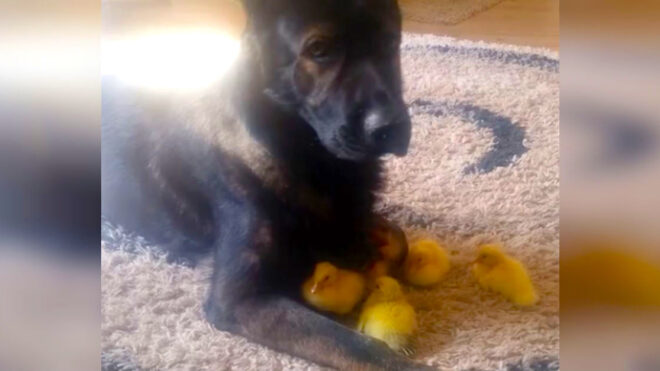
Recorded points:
(242, 301)
(288, 326)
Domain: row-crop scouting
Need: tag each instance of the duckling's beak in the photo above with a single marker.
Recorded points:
(314, 288)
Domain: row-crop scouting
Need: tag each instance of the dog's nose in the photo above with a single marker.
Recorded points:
(387, 130)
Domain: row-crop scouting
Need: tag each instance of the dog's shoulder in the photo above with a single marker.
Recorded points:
(214, 117)
(171, 148)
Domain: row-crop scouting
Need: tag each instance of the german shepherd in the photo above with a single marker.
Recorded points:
(273, 170)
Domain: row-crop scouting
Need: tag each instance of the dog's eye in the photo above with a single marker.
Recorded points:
(320, 49)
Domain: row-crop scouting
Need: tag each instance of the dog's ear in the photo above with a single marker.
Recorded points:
(255, 30)
(259, 11)
(267, 76)
(252, 6)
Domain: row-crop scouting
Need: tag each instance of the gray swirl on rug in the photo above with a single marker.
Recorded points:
(508, 136)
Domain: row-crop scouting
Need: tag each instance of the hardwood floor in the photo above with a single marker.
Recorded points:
(519, 22)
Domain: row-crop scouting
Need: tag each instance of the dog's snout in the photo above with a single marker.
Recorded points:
(378, 115)
(387, 131)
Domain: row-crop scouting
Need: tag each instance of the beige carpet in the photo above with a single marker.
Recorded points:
(443, 11)
(483, 166)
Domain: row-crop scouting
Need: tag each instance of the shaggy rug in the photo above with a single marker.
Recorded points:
(447, 12)
(483, 166)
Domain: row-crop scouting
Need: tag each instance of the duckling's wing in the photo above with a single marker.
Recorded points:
(403, 317)
(525, 291)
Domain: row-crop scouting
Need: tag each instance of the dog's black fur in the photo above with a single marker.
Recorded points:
(272, 172)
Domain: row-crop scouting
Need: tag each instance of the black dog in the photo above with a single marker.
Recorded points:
(273, 171)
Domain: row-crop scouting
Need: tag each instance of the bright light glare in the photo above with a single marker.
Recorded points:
(173, 60)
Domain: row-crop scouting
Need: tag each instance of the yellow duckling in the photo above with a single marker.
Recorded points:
(499, 272)
(377, 269)
(333, 289)
(391, 242)
(387, 316)
(426, 264)
(392, 249)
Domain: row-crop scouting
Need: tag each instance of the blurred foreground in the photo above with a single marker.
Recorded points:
(610, 177)
(49, 185)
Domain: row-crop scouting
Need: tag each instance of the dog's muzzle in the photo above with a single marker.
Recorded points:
(387, 131)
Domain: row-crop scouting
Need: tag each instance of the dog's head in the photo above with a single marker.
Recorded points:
(336, 63)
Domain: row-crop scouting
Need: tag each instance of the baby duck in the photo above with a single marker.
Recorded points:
(391, 242)
(392, 250)
(494, 270)
(377, 269)
(387, 316)
(332, 289)
(426, 264)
